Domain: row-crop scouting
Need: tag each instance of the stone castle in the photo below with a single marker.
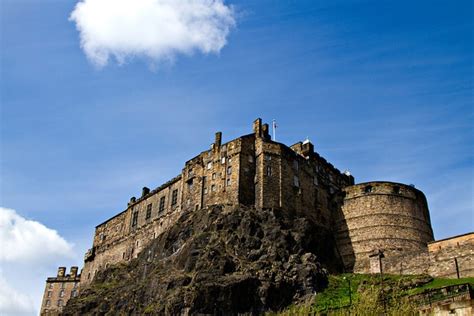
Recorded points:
(369, 221)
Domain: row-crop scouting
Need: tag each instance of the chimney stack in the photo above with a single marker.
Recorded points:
(61, 271)
(74, 272)
(218, 140)
(145, 191)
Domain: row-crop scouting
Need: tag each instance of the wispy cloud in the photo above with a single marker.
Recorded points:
(155, 29)
(28, 249)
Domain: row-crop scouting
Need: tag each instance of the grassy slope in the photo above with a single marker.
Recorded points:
(336, 295)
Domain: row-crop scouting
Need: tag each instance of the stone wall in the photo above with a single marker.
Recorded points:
(381, 216)
(59, 290)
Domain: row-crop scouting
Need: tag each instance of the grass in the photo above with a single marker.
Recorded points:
(336, 299)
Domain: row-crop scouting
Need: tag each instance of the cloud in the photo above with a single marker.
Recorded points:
(27, 240)
(155, 29)
(13, 302)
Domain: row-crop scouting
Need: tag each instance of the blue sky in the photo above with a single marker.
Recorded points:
(383, 89)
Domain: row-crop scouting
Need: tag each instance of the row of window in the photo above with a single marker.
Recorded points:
(60, 302)
(161, 207)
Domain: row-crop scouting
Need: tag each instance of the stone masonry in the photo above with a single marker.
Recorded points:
(254, 170)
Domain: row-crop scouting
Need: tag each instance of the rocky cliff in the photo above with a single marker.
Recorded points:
(218, 260)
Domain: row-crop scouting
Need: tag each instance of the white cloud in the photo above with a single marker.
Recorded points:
(26, 240)
(13, 302)
(29, 251)
(156, 29)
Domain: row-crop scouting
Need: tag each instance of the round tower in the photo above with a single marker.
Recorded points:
(381, 216)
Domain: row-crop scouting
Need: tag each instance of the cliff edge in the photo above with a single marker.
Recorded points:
(220, 259)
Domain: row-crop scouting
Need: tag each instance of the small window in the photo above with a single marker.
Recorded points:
(48, 303)
(396, 190)
(229, 182)
(135, 219)
(213, 188)
(148, 211)
(63, 285)
(205, 190)
(174, 197)
(315, 180)
(190, 172)
(268, 157)
(250, 159)
(60, 303)
(368, 189)
(295, 165)
(269, 171)
(209, 165)
(190, 185)
(229, 170)
(229, 160)
(50, 285)
(50, 293)
(223, 160)
(162, 204)
(296, 181)
(214, 176)
(73, 293)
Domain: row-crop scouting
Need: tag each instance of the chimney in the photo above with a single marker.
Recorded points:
(145, 191)
(218, 140)
(266, 131)
(307, 148)
(74, 272)
(257, 127)
(61, 271)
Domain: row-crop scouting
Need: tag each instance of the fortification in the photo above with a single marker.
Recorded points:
(385, 216)
(369, 220)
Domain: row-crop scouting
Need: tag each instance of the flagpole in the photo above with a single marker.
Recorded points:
(274, 129)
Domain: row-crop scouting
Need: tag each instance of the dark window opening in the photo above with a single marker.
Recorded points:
(368, 189)
(396, 190)
(174, 197)
(148, 211)
(135, 219)
(162, 204)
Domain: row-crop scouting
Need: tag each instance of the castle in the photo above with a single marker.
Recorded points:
(370, 221)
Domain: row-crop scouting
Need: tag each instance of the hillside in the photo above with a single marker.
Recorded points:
(221, 259)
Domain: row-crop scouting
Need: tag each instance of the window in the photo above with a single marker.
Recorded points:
(268, 158)
(223, 160)
(174, 197)
(61, 293)
(190, 185)
(190, 172)
(148, 211)
(63, 285)
(229, 170)
(50, 293)
(230, 160)
(214, 176)
(269, 171)
(296, 181)
(50, 285)
(295, 165)
(48, 303)
(73, 293)
(315, 180)
(60, 303)
(162, 204)
(213, 188)
(368, 189)
(209, 165)
(396, 190)
(250, 159)
(229, 182)
(205, 190)
(135, 219)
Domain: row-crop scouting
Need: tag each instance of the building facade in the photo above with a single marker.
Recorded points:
(255, 170)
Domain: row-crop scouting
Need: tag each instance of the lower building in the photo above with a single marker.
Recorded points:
(59, 290)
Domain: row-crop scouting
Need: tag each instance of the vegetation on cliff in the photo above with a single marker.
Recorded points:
(218, 260)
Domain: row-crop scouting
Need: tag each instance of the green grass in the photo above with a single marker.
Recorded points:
(336, 295)
(437, 283)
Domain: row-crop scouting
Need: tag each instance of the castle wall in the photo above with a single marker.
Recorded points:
(381, 216)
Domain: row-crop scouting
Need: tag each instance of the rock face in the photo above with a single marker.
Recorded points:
(218, 260)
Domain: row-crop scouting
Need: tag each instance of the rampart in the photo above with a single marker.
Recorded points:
(385, 216)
